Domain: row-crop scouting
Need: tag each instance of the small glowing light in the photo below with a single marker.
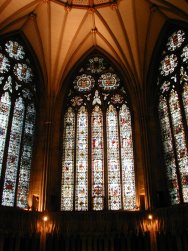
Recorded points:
(45, 218)
(150, 216)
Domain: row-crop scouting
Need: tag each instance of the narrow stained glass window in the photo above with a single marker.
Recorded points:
(185, 100)
(173, 114)
(180, 143)
(127, 159)
(169, 156)
(68, 161)
(97, 159)
(5, 105)
(25, 162)
(13, 154)
(81, 200)
(17, 122)
(100, 163)
(114, 181)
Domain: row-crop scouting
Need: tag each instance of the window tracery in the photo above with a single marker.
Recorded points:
(101, 153)
(172, 108)
(17, 120)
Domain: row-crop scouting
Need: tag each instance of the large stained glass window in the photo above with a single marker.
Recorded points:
(173, 113)
(98, 170)
(17, 120)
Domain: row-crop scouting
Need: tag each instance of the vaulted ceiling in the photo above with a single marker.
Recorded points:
(61, 32)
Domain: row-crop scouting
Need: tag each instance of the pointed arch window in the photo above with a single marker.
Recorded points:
(97, 160)
(173, 113)
(17, 120)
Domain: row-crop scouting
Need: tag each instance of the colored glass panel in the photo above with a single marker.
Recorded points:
(109, 81)
(25, 162)
(114, 180)
(84, 83)
(185, 100)
(5, 105)
(67, 188)
(4, 64)
(23, 72)
(169, 155)
(97, 159)
(165, 86)
(127, 159)
(168, 64)
(96, 65)
(13, 154)
(180, 142)
(117, 99)
(175, 40)
(15, 50)
(81, 197)
(184, 54)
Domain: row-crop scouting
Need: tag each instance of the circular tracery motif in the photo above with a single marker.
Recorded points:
(175, 40)
(109, 81)
(168, 64)
(84, 83)
(23, 72)
(14, 50)
(4, 64)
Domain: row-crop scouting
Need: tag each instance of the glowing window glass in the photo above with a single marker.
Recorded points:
(173, 114)
(81, 200)
(84, 83)
(109, 81)
(68, 161)
(17, 120)
(23, 72)
(14, 50)
(184, 54)
(168, 64)
(4, 64)
(175, 40)
(97, 160)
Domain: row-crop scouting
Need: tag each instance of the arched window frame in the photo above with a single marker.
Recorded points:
(20, 87)
(91, 100)
(169, 84)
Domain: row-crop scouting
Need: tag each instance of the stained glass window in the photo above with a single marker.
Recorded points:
(114, 182)
(127, 158)
(98, 170)
(173, 114)
(81, 198)
(17, 120)
(97, 158)
(68, 161)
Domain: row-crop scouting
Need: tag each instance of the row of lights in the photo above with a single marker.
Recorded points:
(45, 217)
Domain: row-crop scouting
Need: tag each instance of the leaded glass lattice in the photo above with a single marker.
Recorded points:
(127, 159)
(97, 159)
(25, 161)
(173, 113)
(17, 120)
(169, 155)
(185, 100)
(98, 145)
(13, 155)
(68, 161)
(5, 105)
(81, 200)
(114, 176)
(180, 142)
